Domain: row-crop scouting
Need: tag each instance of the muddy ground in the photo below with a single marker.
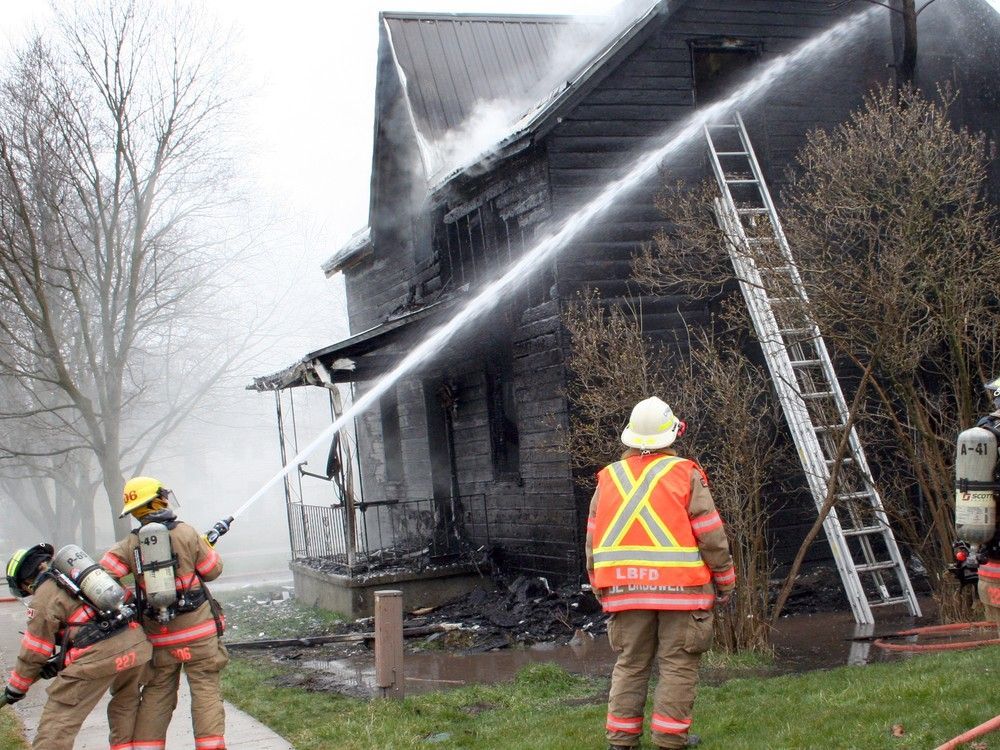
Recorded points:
(522, 621)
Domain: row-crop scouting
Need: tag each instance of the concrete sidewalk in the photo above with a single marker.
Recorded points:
(242, 730)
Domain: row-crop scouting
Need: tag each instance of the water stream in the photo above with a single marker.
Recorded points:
(670, 143)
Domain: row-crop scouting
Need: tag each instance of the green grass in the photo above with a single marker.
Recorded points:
(11, 731)
(933, 697)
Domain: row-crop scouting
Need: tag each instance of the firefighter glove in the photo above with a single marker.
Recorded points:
(51, 667)
(12, 696)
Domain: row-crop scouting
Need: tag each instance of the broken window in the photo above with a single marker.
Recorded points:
(504, 438)
(717, 64)
(392, 443)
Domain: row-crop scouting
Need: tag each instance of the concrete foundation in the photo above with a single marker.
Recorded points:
(355, 597)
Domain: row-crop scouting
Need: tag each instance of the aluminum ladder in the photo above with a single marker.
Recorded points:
(864, 548)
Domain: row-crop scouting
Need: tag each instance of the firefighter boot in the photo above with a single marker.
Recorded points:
(693, 740)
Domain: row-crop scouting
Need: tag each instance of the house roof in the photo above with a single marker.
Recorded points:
(452, 61)
(359, 245)
(475, 85)
(360, 357)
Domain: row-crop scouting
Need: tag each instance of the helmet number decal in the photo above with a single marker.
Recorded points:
(131, 495)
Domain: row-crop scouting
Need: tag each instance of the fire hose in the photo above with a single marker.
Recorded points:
(986, 727)
(955, 627)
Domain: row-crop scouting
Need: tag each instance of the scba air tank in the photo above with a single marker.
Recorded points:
(97, 586)
(975, 498)
(157, 558)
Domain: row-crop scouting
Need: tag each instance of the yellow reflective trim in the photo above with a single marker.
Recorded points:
(662, 471)
(649, 564)
(15, 562)
(598, 550)
(626, 493)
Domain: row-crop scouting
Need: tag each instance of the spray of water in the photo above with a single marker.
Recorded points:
(673, 141)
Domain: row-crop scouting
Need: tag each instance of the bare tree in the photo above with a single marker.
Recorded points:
(895, 239)
(907, 13)
(109, 281)
(901, 244)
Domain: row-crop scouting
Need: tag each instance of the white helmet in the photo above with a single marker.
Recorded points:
(652, 425)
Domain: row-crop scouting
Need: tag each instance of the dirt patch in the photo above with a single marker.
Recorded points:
(478, 708)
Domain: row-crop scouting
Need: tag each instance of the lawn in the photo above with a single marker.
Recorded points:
(929, 698)
(11, 733)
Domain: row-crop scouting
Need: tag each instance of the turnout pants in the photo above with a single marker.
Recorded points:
(989, 593)
(202, 662)
(71, 699)
(675, 641)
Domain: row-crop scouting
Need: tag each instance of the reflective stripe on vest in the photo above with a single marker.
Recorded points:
(642, 533)
(659, 600)
(990, 570)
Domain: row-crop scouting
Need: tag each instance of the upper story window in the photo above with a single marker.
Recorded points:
(717, 64)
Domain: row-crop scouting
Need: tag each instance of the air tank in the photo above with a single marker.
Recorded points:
(97, 585)
(975, 498)
(157, 558)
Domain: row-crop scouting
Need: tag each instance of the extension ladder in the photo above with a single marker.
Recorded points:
(807, 387)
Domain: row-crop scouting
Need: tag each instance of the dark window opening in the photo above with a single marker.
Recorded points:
(505, 441)
(718, 65)
(392, 443)
(481, 245)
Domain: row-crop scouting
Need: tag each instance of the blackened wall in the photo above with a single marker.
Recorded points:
(653, 89)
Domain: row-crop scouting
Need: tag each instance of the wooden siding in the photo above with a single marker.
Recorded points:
(536, 518)
(654, 89)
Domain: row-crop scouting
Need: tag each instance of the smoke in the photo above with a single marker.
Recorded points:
(492, 120)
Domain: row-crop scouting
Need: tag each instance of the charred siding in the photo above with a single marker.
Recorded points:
(655, 88)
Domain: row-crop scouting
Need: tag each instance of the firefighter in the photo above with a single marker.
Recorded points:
(171, 561)
(658, 562)
(87, 650)
(989, 568)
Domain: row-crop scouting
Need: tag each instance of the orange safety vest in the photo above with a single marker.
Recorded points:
(642, 533)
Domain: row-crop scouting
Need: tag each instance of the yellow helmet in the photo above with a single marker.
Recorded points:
(140, 491)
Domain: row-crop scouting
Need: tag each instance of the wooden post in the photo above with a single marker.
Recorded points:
(389, 678)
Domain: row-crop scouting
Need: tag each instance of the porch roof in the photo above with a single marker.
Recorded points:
(359, 357)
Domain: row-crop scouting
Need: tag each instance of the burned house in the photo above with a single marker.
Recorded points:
(467, 447)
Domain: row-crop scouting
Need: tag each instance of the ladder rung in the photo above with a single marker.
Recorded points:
(806, 362)
(828, 427)
(855, 496)
(875, 567)
(845, 460)
(727, 125)
(761, 241)
(732, 153)
(786, 331)
(817, 394)
(741, 181)
(751, 210)
(890, 601)
(785, 299)
(864, 531)
(775, 269)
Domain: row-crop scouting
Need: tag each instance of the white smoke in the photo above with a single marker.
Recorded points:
(493, 120)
